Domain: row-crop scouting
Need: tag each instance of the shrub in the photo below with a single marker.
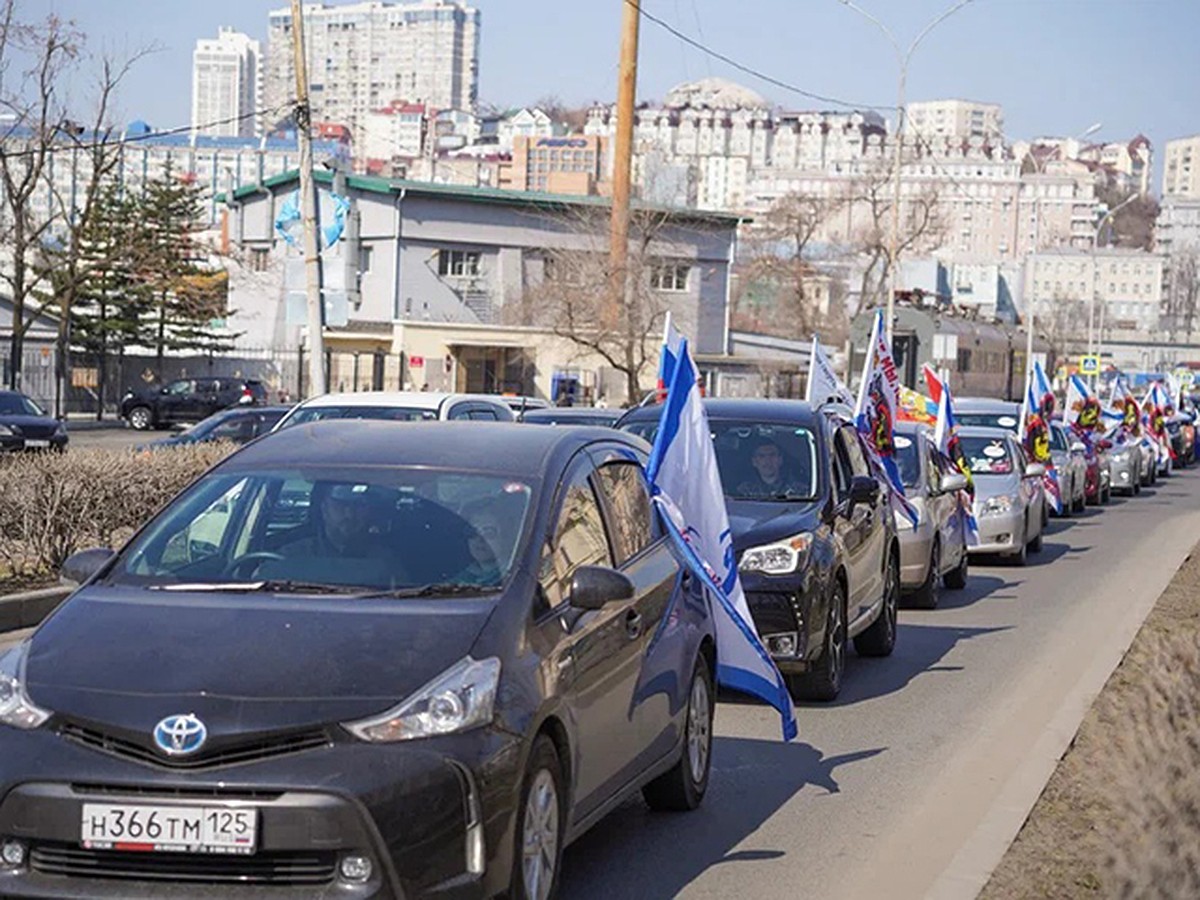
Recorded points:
(53, 504)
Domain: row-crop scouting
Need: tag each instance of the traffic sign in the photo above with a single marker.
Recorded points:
(1089, 364)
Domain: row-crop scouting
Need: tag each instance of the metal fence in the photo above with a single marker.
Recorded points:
(87, 385)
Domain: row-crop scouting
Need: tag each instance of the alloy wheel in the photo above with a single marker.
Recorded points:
(698, 728)
(837, 639)
(540, 836)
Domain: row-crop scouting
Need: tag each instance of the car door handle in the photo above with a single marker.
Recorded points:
(633, 624)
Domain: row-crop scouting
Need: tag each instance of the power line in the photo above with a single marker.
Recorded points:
(148, 136)
(749, 70)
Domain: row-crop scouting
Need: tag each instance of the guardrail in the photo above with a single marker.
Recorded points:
(27, 609)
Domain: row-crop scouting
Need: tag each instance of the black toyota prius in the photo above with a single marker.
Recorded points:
(360, 659)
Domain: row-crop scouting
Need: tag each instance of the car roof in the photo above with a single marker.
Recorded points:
(984, 404)
(507, 447)
(981, 431)
(431, 400)
(571, 412)
(739, 408)
(902, 427)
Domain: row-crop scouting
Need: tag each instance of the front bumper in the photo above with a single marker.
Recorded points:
(782, 606)
(407, 808)
(1125, 472)
(1003, 533)
(19, 443)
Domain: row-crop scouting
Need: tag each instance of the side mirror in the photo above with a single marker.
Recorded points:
(80, 567)
(1035, 470)
(863, 489)
(593, 587)
(1078, 447)
(954, 481)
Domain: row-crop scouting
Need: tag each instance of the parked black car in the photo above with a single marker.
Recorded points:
(187, 400)
(240, 425)
(817, 550)
(573, 415)
(26, 426)
(360, 659)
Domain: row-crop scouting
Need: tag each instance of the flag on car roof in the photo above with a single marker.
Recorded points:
(945, 437)
(823, 384)
(672, 342)
(1034, 431)
(916, 407)
(686, 484)
(875, 413)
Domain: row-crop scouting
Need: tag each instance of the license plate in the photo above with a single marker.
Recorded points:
(36, 445)
(179, 829)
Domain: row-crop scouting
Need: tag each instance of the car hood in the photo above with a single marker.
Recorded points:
(758, 522)
(994, 485)
(25, 421)
(244, 663)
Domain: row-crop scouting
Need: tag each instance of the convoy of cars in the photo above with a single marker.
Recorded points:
(515, 648)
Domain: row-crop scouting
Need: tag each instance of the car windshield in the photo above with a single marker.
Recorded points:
(19, 405)
(1058, 440)
(986, 420)
(987, 455)
(333, 530)
(908, 461)
(389, 413)
(758, 461)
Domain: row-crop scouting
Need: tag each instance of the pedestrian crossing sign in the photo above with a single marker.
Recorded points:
(1089, 364)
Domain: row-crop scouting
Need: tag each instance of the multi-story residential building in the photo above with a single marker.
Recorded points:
(1181, 168)
(560, 165)
(1122, 288)
(500, 130)
(395, 130)
(955, 119)
(1126, 164)
(364, 56)
(1177, 226)
(225, 85)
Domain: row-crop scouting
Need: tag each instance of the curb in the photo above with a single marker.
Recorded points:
(74, 426)
(28, 608)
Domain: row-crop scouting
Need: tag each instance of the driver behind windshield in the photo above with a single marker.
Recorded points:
(343, 526)
(770, 479)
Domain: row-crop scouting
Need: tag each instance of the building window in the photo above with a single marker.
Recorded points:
(458, 263)
(670, 277)
(364, 260)
(260, 259)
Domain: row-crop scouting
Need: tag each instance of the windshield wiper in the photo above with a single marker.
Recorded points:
(276, 586)
(439, 589)
(790, 495)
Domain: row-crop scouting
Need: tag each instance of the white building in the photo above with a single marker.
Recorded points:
(225, 85)
(364, 56)
(1123, 287)
(396, 130)
(1181, 168)
(1177, 226)
(955, 119)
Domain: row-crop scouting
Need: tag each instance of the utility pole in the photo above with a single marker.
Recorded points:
(623, 160)
(308, 211)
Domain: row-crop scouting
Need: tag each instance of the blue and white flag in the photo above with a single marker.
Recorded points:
(288, 218)
(945, 437)
(823, 384)
(875, 414)
(671, 346)
(686, 484)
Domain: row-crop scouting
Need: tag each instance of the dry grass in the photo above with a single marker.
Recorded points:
(1121, 815)
(53, 504)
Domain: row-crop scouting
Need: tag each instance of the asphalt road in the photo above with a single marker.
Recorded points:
(903, 788)
(892, 790)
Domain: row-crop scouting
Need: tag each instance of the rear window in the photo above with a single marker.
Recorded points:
(987, 420)
(987, 456)
(1058, 440)
(387, 413)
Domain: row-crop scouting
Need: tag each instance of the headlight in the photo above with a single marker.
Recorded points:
(16, 709)
(61, 429)
(996, 506)
(1120, 456)
(781, 558)
(460, 698)
(5, 431)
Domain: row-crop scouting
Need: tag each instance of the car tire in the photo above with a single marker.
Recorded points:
(1035, 545)
(880, 638)
(1077, 506)
(823, 681)
(956, 579)
(541, 817)
(1021, 556)
(926, 596)
(682, 788)
(1106, 497)
(140, 418)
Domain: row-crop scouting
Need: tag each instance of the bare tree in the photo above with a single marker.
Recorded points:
(574, 297)
(1183, 295)
(1063, 323)
(36, 60)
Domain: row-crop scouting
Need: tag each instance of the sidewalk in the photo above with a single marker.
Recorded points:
(88, 422)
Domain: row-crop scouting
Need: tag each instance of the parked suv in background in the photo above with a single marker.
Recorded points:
(187, 400)
(813, 534)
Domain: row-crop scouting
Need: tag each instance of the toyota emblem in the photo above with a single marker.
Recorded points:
(180, 735)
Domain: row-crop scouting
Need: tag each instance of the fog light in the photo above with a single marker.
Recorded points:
(1003, 538)
(782, 644)
(356, 868)
(12, 854)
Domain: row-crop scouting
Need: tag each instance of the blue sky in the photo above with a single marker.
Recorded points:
(1057, 66)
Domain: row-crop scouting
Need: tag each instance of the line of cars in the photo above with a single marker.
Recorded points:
(353, 618)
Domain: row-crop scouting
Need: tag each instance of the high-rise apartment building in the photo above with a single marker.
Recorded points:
(956, 119)
(366, 56)
(225, 85)
(1181, 168)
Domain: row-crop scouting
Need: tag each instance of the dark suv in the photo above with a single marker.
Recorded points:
(187, 400)
(814, 536)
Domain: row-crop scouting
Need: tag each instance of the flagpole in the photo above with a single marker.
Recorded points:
(862, 388)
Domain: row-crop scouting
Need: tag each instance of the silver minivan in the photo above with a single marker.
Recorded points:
(935, 552)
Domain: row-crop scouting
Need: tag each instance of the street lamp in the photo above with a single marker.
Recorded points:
(902, 57)
(1096, 268)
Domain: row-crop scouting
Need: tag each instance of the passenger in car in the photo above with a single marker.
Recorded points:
(483, 543)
